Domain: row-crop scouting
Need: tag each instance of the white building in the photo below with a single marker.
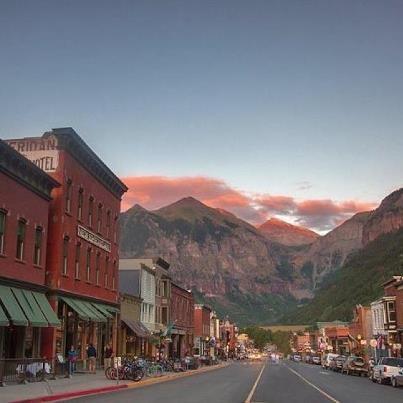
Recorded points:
(138, 279)
(378, 318)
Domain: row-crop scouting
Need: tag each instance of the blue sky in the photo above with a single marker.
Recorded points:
(295, 98)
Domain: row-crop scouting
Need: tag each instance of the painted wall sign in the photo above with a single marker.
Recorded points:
(41, 151)
(95, 239)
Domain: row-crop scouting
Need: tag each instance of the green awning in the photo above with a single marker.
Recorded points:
(102, 309)
(112, 309)
(46, 309)
(96, 315)
(3, 318)
(84, 309)
(77, 307)
(30, 307)
(14, 311)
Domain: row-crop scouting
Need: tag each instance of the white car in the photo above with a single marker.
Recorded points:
(386, 369)
(327, 358)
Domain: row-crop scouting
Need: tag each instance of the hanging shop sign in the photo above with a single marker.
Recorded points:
(93, 238)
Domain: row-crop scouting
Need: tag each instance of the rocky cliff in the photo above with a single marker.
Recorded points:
(287, 234)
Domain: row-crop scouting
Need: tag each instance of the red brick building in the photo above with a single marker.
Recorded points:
(24, 205)
(182, 316)
(82, 253)
(201, 328)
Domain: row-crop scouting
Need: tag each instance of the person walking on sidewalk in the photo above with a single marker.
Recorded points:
(92, 357)
(108, 354)
(72, 358)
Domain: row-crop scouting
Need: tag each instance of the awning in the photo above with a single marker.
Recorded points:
(46, 309)
(3, 318)
(84, 309)
(103, 309)
(112, 309)
(137, 327)
(30, 307)
(13, 309)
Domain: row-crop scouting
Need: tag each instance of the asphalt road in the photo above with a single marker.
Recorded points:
(286, 382)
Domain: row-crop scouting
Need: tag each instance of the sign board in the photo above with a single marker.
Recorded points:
(373, 343)
(60, 358)
(93, 238)
(42, 152)
(117, 362)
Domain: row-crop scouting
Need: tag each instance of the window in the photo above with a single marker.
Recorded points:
(113, 281)
(38, 246)
(115, 236)
(3, 215)
(97, 261)
(106, 272)
(391, 311)
(80, 204)
(69, 186)
(88, 265)
(108, 224)
(99, 218)
(20, 239)
(77, 262)
(164, 315)
(65, 255)
(90, 211)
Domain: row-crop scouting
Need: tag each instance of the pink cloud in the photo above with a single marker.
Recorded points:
(153, 192)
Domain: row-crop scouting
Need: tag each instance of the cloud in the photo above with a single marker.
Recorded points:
(153, 192)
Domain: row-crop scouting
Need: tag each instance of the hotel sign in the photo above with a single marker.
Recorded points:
(42, 152)
(95, 239)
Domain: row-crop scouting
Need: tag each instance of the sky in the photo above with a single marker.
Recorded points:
(266, 108)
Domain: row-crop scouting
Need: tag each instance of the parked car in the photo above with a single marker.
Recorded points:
(397, 380)
(296, 357)
(316, 360)
(386, 368)
(340, 360)
(326, 360)
(354, 365)
(333, 363)
(308, 359)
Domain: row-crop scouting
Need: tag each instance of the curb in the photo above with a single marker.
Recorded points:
(70, 395)
(115, 388)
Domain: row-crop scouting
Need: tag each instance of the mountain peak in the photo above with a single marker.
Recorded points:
(136, 208)
(287, 234)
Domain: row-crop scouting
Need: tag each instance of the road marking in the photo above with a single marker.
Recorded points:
(248, 399)
(311, 384)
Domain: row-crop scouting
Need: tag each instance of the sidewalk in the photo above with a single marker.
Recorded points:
(82, 384)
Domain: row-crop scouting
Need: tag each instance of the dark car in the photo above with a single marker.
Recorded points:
(316, 360)
(355, 365)
(339, 363)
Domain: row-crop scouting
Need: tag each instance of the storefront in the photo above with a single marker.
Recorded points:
(134, 339)
(23, 313)
(83, 322)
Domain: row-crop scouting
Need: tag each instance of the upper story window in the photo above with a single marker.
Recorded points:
(77, 262)
(80, 204)
(97, 264)
(90, 211)
(88, 265)
(113, 275)
(391, 311)
(99, 218)
(69, 187)
(38, 246)
(108, 224)
(3, 215)
(115, 228)
(106, 272)
(21, 229)
(65, 255)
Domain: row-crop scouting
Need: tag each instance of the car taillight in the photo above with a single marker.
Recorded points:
(385, 369)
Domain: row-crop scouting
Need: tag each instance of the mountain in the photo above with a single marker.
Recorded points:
(328, 253)
(373, 253)
(226, 261)
(287, 234)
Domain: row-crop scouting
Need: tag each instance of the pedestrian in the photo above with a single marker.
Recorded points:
(108, 354)
(92, 357)
(72, 358)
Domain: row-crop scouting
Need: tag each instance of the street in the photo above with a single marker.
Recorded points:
(286, 382)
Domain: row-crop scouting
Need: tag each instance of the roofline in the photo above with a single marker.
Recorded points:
(183, 289)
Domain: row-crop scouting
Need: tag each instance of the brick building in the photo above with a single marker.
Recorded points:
(182, 317)
(201, 328)
(82, 251)
(24, 205)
